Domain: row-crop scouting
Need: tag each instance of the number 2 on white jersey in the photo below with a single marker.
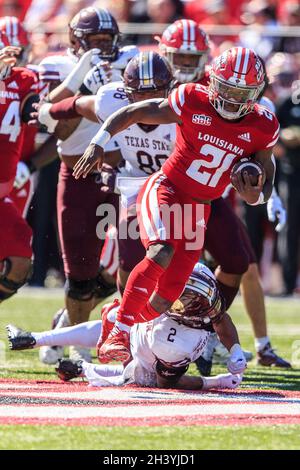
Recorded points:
(11, 122)
(220, 162)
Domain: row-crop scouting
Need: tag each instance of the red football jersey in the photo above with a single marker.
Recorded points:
(13, 90)
(207, 146)
(29, 141)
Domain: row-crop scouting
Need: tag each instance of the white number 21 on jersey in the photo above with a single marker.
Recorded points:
(220, 163)
(11, 122)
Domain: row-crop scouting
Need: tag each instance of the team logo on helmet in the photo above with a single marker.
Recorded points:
(237, 79)
(147, 71)
(201, 303)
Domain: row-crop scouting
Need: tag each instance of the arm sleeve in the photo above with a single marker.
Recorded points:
(177, 99)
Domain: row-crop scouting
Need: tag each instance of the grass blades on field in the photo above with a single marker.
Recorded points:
(149, 438)
(35, 314)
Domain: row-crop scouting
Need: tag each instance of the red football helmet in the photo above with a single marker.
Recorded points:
(90, 23)
(146, 75)
(201, 303)
(237, 79)
(186, 46)
(17, 36)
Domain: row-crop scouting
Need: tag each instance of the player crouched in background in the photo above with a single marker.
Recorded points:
(161, 350)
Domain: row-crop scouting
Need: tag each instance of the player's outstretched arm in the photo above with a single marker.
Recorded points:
(70, 86)
(51, 115)
(145, 112)
(228, 335)
(189, 382)
(185, 382)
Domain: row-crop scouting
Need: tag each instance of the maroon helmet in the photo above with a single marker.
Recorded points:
(94, 21)
(147, 72)
(201, 303)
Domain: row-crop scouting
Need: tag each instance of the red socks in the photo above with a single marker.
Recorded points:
(140, 285)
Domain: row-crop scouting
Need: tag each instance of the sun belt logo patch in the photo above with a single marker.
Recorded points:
(201, 119)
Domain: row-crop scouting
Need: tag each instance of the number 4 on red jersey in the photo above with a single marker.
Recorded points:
(14, 91)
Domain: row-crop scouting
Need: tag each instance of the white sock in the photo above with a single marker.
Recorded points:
(122, 326)
(103, 370)
(103, 375)
(260, 343)
(84, 334)
(210, 382)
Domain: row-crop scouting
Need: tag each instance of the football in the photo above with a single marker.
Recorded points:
(253, 168)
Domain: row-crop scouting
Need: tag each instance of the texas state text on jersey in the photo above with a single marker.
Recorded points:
(207, 146)
(144, 148)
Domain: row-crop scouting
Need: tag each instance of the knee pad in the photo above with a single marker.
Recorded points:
(9, 284)
(80, 290)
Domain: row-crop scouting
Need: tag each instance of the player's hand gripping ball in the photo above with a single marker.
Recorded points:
(252, 168)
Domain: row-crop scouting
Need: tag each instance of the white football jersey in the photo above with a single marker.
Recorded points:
(77, 142)
(143, 149)
(162, 339)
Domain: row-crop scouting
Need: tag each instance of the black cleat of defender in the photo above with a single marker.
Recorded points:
(67, 369)
(19, 339)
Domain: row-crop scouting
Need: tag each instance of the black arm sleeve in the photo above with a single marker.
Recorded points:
(27, 108)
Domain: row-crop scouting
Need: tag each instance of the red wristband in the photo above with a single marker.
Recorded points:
(65, 109)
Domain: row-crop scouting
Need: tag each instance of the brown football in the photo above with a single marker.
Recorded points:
(253, 168)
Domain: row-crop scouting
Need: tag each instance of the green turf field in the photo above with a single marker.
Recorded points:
(34, 313)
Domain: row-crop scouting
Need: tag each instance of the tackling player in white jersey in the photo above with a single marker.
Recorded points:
(161, 349)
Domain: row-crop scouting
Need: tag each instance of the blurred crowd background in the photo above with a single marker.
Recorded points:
(271, 27)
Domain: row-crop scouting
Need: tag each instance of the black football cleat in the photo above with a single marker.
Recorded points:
(268, 358)
(19, 339)
(68, 369)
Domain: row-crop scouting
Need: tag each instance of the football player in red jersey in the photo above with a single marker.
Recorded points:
(186, 46)
(17, 36)
(205, 115)
(17, 94)
(211, 123)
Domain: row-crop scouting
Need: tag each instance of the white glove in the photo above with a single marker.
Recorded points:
(237, 363)
(229, 380)
(45, 117)
(22, 176)
(75, 79)
(276, 211)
